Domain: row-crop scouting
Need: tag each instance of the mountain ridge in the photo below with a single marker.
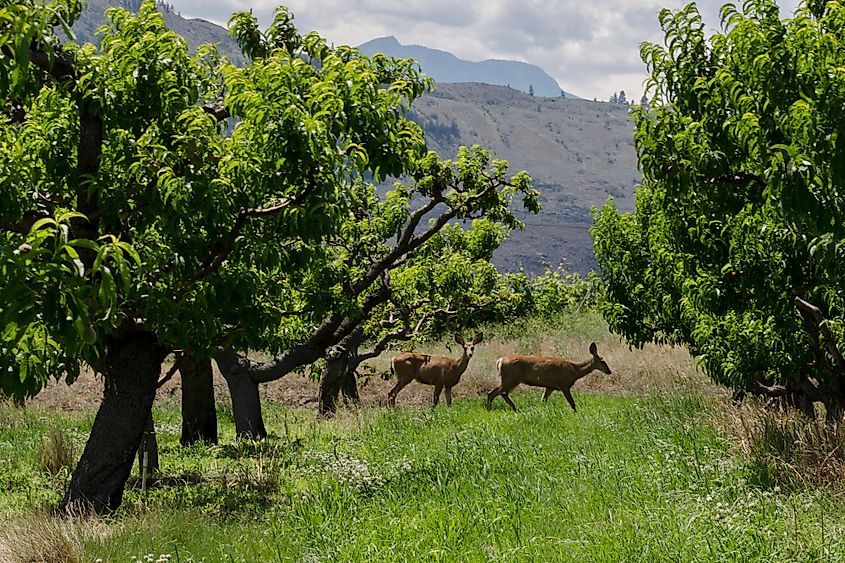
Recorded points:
(196, 31)
(445, 67)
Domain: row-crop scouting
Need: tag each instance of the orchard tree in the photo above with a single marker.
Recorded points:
(736, 247)
(135, 222)
(445, 286)
(353, 282)
(344, 279)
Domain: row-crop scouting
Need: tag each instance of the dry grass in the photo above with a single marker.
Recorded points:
(655, 369)
(58, 452)
(785, 447)
(43, 538)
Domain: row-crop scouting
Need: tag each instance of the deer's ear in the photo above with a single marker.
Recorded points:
(459, 339)
(478, 338)
(593, 348)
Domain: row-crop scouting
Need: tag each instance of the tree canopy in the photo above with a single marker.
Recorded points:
(737, 241)
(154, 200)
(125, 200)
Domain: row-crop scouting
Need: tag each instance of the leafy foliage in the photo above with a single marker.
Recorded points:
(386, 274)
(245, 234)
(126, 202)
(741, 209)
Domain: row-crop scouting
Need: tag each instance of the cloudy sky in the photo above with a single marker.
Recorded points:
(590, 47)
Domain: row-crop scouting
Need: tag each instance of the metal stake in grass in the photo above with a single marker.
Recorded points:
(144, 469)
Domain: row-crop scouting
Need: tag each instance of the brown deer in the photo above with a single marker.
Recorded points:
(543, 371)
(431, 370)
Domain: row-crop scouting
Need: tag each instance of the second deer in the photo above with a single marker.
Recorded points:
(440, 371)
(543, 371)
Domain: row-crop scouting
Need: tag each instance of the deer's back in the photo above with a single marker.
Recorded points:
(425, 368)
(540, 371)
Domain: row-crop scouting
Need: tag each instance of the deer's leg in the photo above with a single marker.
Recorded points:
(391, 395)
(507, 399)
(437, 390)
(547, 394)
(492, 395)
(568, 395)
(448, 396)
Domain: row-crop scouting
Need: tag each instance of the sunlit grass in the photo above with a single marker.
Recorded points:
(626, 478)
(656, 465)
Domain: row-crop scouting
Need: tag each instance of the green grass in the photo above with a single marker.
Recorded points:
(624, 479)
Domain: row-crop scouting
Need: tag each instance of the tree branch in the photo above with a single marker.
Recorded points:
(226, 245)
(406, 244)
(381, 345)
(62, 67)
(809, 310)
(23, 226)
(169, 375)
(218, 112)
(335, 327)
(403, 334)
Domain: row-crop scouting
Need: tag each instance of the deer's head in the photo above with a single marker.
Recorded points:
(598, 362)
(469, 347)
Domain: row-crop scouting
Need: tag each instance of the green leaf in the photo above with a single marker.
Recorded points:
(107, 292)
(84, 243)
(41, 223)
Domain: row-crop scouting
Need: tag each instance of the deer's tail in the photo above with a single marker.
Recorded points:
(388, 375)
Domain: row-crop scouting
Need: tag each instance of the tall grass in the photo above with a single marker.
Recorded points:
(58, 452)
(626, 478)
(654, 465)
(786, 448)
(39, 537)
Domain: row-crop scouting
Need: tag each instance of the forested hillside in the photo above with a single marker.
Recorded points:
(578, 152)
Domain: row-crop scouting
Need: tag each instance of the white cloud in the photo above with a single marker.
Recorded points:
(591, 48)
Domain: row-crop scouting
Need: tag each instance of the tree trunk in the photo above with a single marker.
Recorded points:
(349, 387)
(19, 402)
(246, 407)
(330, 384)
(131, 369)
(199, 416)
(149, 445)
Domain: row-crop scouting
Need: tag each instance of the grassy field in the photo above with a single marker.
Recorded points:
(635, 475)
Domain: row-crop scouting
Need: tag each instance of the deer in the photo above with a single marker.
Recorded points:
(440, 371)
(543, 371)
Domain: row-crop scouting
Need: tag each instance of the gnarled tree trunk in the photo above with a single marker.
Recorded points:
(199, 415)
(244, 375)
(332, 380)
(246, 407)
(243, 388)
(349, 386)
(829, 362)
(339, 376)
(131, 370)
